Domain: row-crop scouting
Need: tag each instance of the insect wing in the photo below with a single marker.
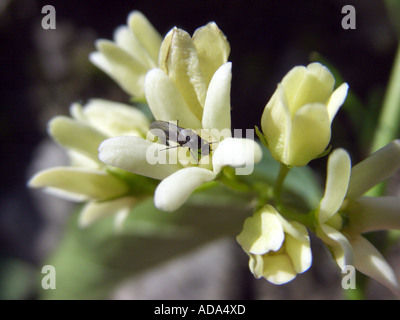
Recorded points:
(165, 131)
(189, 138)
(169, 132)
(205, 147)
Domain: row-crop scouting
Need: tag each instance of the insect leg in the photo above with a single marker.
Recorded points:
(193, 156)
(177, 146)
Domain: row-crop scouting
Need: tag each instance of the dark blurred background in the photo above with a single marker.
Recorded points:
(44, 71)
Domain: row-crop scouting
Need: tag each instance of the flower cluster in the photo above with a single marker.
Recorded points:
(186, 83)
(105, 190)
(344, 214)
(182, 78)
(278, 249)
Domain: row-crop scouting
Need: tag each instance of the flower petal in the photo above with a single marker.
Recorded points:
(310, 134)
(341, 248)
(94, 211)
(276, 124)
(217, 107)
(373, 214)
(174, 190)
(368, 260)
(323, 74)
(125, 39)
(166, 102)
(301, 82)
(76, 135)
(77, 159)
(338, 175)
(299, 251)
(237, 153)
(294, 229)
(262, 232)
(131, 154)
(336, 100)
(376, 168)
(101, 62)
(76, 112)
(91, 184)
(212, 47)
(128, 72)
(146, 34)
(278, 269)
(180, 61)
(256, 265)
(291, 86)
(115, 119)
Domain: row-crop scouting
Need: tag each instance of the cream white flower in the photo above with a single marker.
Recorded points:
(134, 51)
(192, 86)
(180, 179)
(191, 62)
(297, 120)
(344, 214)
(278, 249)
(87, 178)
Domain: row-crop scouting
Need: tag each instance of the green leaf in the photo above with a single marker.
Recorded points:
(90, 262)
(261, 136)
(393, 9)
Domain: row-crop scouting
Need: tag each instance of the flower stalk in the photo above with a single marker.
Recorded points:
(283, 171)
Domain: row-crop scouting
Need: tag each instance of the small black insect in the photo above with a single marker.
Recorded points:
(169, 132)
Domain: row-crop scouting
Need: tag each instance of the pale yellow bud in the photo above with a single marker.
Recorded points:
(297, 120)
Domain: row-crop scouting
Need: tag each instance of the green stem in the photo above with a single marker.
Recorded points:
(390, 115)
(393, 10)
(229, 179)
(389, 120)
(283, 171)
